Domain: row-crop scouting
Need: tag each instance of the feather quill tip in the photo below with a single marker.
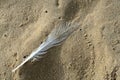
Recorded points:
(13, 70)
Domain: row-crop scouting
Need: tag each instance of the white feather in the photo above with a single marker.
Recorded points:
(58, 35)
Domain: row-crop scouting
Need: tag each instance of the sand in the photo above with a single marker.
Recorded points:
(92, 52)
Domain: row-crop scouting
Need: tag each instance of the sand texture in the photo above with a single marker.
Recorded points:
(92, 52)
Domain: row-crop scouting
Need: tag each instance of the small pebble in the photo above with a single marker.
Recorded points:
(80, 56)
(85, 35)
(90, 44)
(69, 65)
(15, 54)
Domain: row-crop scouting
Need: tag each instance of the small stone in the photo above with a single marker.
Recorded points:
(80, 56)
(69, 65)
(21, 25)
(90, 44)
(15, 54)
(85, 35)
(88, 41)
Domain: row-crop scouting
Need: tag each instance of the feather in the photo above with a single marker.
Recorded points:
(58, 35)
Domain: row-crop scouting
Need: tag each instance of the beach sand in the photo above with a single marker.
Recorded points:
(92, 52)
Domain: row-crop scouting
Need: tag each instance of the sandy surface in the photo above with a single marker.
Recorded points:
(90, 53)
